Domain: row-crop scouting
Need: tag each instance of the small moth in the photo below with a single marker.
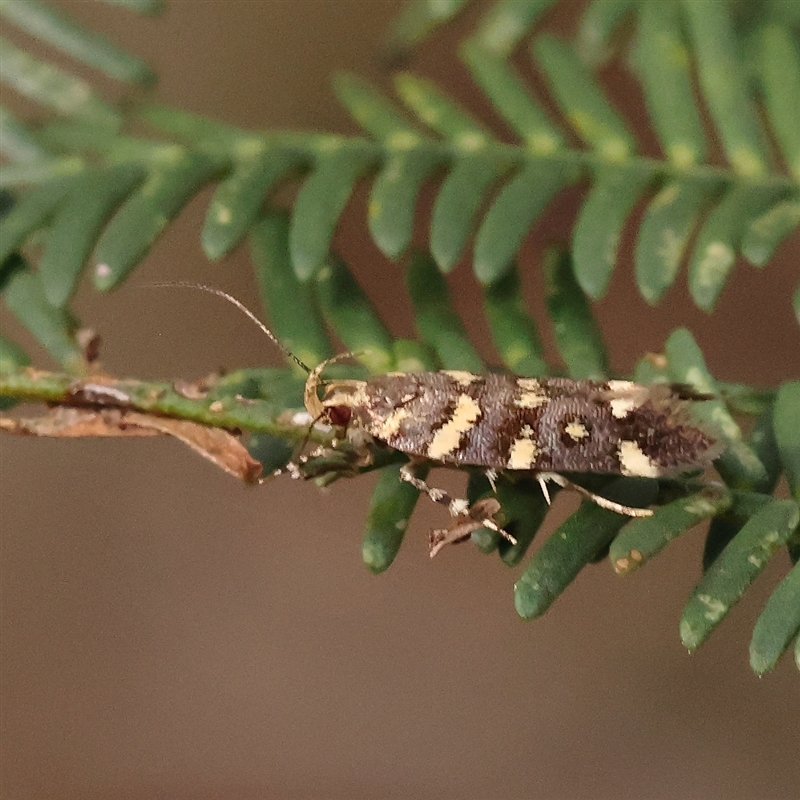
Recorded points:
(505, 423)
(502, 423)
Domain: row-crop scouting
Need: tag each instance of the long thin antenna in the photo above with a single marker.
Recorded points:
(242, 307)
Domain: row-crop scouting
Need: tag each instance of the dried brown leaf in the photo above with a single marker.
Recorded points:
(218, 446)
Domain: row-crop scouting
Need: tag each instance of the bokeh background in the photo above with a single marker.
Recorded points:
(169, 633)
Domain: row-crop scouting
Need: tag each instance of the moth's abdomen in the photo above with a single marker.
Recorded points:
(548, 424)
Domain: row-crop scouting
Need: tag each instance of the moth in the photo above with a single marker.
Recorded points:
(502, 423)
(506, 423)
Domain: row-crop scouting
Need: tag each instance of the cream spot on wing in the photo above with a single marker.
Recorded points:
(630, 396)
(448, 438)
(576, 431)
(633, 461)
(391, 425)
(622, 386)
(531, 393)
(461, 376)
(523, 454)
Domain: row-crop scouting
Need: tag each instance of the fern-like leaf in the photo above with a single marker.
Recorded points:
(96, 196)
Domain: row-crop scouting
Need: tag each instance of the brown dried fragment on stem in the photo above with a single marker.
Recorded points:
(218, 446)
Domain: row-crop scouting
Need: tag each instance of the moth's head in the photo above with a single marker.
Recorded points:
(339, 398)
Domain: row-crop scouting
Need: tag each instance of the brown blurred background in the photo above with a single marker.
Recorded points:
(169, 633)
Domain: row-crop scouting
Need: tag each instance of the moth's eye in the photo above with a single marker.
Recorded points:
(339, 415)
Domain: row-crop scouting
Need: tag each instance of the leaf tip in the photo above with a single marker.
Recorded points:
(103, 276)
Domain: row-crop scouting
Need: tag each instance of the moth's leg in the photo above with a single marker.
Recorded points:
(466, 518)
(341, 457)
(603, 502)
(408, 473)
(542, 478)
(478, 515)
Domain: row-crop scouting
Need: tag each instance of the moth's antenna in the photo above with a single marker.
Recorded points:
(242, 307)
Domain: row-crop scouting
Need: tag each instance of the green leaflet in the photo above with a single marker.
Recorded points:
(718, 241)
(140, 6)
(239, 198)
(513, 330)
(598, 23)
(643, 538)
(171, 183)
(581, 100)
(415, 23)
(649, 369)
(525, 506)
(786, 425)
(393, 500)
(82, 138)
(511, 98)
(762, 442)
(735, 569)
(374, 113)
(440, 113)
(33, 173)
(390, 509)
(437, 322)
(765, 233)
(460, 196)
(474, 170)
(78, 223)
(724, 85)
(353, 318)
(778, 623)
(720, 532)
(93, 49)
(478, 487)
(578, 336)
(573, 545)
(51, 326)
(506, 23)
(292, 307)
(663, 234)
(321, 201)
(12, 358)
(411, 355)
(796, 303)
(392, 202)
(18, 142)
(273, 452)
(600, 223)
(208, 134)
(31, 212)
(722, 529)
(517, 206)
(53, 87)
(523, 509)
(738, 464)
(778, 62)
(663, 65)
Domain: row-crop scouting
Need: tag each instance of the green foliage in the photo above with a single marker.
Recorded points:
(88, 193)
